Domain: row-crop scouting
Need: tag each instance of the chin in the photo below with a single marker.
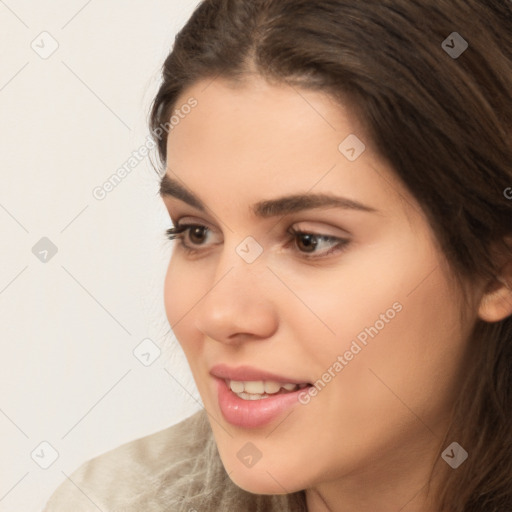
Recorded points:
(258, 482)
(261, 478)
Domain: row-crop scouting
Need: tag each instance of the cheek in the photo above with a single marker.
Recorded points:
(339, 307)
(396, 325)
(172, 296)
(181, 292)
(412, 362)
(385, 293)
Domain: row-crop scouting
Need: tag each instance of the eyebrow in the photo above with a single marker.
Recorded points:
(271, 207)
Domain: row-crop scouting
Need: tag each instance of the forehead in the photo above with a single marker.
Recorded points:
(258, 139)
(253, 112)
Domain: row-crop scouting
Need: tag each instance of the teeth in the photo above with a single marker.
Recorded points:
(255, 387)
(259, 387)
(248, 396)
(236, 386)
(272, 387)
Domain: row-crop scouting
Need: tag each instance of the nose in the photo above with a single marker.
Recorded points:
(239, 304)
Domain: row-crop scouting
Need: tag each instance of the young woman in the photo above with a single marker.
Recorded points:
(339, 178)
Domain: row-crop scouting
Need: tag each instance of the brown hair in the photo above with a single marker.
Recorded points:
(443, 122)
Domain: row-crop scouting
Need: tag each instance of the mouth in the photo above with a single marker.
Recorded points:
(250, 374)
(252, 398)
(259, 389)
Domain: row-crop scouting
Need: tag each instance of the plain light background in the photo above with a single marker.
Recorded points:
(69, 325)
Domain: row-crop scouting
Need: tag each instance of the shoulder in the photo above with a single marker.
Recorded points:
(123, 475)
(177, 469)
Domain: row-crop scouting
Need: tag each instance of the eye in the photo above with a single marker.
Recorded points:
(309, 245)
(195, 232)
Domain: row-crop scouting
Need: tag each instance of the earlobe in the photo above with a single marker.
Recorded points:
(496, 302)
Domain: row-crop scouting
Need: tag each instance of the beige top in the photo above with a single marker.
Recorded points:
(177, 469)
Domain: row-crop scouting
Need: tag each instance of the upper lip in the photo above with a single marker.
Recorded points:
(248, 373)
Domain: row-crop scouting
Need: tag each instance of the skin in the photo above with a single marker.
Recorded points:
(368, 440)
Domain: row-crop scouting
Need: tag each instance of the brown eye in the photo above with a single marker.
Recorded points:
(307, 242)
(193, 238)
(316, 245)
(197, 234)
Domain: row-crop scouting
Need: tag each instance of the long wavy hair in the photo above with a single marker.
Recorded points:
(444, 123)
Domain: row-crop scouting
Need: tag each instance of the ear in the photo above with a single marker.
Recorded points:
(496, 302)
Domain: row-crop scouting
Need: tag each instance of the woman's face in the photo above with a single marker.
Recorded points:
(362, 305)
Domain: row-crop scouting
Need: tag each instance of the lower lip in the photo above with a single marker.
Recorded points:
(253, 413)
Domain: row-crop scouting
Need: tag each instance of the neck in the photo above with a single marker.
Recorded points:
(397, 486)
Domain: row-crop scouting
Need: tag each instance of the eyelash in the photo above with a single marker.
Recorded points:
(177, 233)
